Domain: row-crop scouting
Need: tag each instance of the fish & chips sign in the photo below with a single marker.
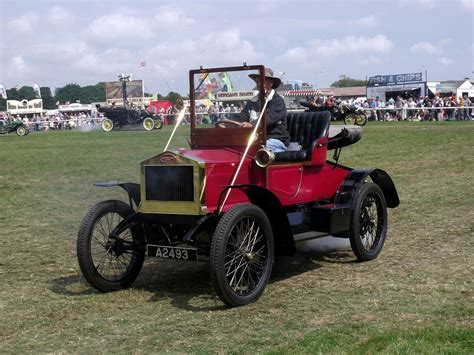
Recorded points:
(398, 79)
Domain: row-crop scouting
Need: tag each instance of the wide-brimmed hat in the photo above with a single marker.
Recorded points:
(268, 74)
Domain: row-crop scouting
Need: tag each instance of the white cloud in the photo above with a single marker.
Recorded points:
(367, 22)
(424, 48)
(446, 61)
(467, 5)
(294, 55)
(172, 17)
(18, 63)
(59, 17)
(120, 28)
(351, 45)
(24, 23)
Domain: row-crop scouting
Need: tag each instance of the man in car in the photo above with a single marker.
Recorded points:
(278, 138)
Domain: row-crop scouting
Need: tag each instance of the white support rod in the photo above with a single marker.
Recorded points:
(249, 143)
(178, 122)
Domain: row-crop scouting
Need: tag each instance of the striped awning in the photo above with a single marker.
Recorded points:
(309, 92)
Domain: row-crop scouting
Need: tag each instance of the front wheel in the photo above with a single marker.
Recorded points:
(107, 124)
(109, 263)
(361, 119)
(158, 124)
(350, 119)
(22, 130)
(368, 222)
(148, 124)
(241, 258)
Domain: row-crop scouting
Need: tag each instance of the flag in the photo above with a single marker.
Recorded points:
(226, 83)
(3, 92)
(37, 91)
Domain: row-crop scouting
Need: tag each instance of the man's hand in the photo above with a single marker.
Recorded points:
(245, 125)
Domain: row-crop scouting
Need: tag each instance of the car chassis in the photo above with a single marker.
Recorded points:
(236, 205)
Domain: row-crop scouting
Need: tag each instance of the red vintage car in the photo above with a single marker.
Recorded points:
(229, 201)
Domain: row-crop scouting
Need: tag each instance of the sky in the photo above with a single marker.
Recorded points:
(58, 42)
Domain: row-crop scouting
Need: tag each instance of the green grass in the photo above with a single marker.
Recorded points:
(417, 297)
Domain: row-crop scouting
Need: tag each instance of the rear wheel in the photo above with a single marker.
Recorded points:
(22, 130)
(109, 263)
(368, 222)
(107, 124)
(148, 124)
(241, 258)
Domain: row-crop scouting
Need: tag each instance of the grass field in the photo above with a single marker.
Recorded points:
(417, 297)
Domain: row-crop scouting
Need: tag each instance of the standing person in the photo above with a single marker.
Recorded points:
(278, 138)
(467, 110)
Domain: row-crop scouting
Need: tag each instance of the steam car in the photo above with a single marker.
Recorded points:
(116, 117)
(229, 201)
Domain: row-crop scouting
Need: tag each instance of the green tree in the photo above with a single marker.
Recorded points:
(173, 96)
(49, 103)
(70, 92)
(345, 81)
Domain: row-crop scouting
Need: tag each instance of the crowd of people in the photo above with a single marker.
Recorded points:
(421, 108)
(57, 121)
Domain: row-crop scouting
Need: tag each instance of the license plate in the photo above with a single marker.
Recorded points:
(161, 251)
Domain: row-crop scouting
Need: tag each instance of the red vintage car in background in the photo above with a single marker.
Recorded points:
(229, 201)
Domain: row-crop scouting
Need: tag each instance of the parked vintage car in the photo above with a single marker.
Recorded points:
(117, 117)
(15, 126)
(231, 202)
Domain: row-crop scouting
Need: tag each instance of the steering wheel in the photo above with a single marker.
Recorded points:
(226, 123)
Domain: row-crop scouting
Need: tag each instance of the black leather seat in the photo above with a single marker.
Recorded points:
(304, 128)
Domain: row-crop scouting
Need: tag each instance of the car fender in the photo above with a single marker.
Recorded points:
(271, 205)
(132, 189)
(349, 188)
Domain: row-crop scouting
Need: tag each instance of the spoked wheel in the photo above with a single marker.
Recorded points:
(148, 124)
(241, 258)
(369, 223)
(158, 124)
(360, 119)
(109, 263)
(107, 124)
(350, 119)
(21, 130)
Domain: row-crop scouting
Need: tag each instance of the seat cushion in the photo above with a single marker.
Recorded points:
(305, 128)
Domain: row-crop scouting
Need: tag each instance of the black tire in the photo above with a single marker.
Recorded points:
(368, 222)
(361, 119)
(350, 119)
(96, 251)
(240, 267)
(158, 124)
(21, 130)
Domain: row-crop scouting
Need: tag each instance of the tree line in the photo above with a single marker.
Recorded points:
(68, 93)
(96, 93)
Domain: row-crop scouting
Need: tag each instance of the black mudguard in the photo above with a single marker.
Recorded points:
(270, 204)
(350, 186)
(132, 189)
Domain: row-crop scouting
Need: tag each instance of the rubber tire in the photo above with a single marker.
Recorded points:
(84, 247)
(361, 119)
(150, 121)
(21, 131)
(108, 120)
(158, 124)
(350, 119)
(354, 232)
(218, 244)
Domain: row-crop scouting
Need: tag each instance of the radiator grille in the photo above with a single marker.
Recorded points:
(169, 183)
